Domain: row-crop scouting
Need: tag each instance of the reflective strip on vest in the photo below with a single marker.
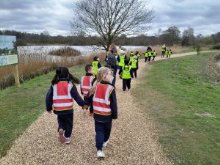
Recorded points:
(62, 99)
(101, 102)
(86, 84)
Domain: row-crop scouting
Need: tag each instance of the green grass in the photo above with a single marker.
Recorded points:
(19, 107)
(185, 104)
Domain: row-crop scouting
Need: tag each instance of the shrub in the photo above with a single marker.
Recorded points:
(217, 46)
(66, 51)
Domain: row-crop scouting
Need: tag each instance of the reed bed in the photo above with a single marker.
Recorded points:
(35, 64)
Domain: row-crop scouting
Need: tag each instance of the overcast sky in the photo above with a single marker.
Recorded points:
(54, 16)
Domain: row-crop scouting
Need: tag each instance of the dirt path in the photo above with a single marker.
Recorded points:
(132, 140)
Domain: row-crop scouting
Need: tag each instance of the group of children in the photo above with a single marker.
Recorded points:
(98, 90)
(99, 95)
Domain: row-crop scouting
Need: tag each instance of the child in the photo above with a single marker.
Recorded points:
(154, 55)
(104, 102)
(96, 65)
(126, 75)
(60, 99)
(87, 82)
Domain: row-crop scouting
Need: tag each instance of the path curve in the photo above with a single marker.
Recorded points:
(133, 139)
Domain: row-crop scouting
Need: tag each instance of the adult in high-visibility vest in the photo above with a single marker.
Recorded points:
(126, 75)
(60, 98)
(154, 54)
(95, 65)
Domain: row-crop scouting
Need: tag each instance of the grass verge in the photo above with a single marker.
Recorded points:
(19, 107)
(184, 102)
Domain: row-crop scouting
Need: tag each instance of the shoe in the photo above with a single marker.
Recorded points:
(105, 143)
(100, 154)
(68, 140)
(61, 136)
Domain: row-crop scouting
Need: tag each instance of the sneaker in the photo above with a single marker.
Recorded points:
(100, 154)
(105, 143)
(68, 140)
(61, 136)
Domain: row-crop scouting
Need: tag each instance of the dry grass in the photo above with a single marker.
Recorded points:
(213, 69)
(31, 65)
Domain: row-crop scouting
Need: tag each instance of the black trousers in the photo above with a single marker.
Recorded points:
(65, 122)
(126, 83)
(103, 131)
(134, 72)
(145, 59)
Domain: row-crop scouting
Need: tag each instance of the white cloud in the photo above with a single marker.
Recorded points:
(55, 15)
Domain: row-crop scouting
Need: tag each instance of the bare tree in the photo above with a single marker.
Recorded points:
(111, 18)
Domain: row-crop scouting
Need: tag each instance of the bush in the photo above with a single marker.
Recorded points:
(66, 51)
(217, 46)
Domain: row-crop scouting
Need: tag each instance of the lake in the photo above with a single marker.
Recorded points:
(85, 50)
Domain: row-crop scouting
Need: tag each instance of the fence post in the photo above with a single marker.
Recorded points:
(16, 75)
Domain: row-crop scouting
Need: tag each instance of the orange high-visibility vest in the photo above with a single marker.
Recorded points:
(101, 102)
(62, 99)
(86, 84)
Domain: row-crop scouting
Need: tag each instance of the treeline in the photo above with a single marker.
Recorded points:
(169, 37)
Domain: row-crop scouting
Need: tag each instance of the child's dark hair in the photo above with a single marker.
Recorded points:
(88, 67)
(63, 74)
(95, 58)
(126, 62)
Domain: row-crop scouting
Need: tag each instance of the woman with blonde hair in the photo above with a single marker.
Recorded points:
(104, 102)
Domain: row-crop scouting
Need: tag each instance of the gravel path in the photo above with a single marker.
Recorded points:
(133, 140)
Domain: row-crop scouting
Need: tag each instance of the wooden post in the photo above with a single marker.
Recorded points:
(16, 75)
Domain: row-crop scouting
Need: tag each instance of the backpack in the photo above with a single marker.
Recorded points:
(111, 60)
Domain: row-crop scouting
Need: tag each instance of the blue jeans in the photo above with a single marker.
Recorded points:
(103, 131)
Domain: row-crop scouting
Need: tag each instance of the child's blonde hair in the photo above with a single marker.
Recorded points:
(100, 77)
(102, 72)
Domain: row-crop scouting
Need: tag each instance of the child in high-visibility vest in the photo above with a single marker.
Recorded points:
(134, 66)
(121, 59)
(167, 53)
(126, 75)
(103, 98)
(154, 55)
(60, 98)
(87, 82)
(96, 65)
